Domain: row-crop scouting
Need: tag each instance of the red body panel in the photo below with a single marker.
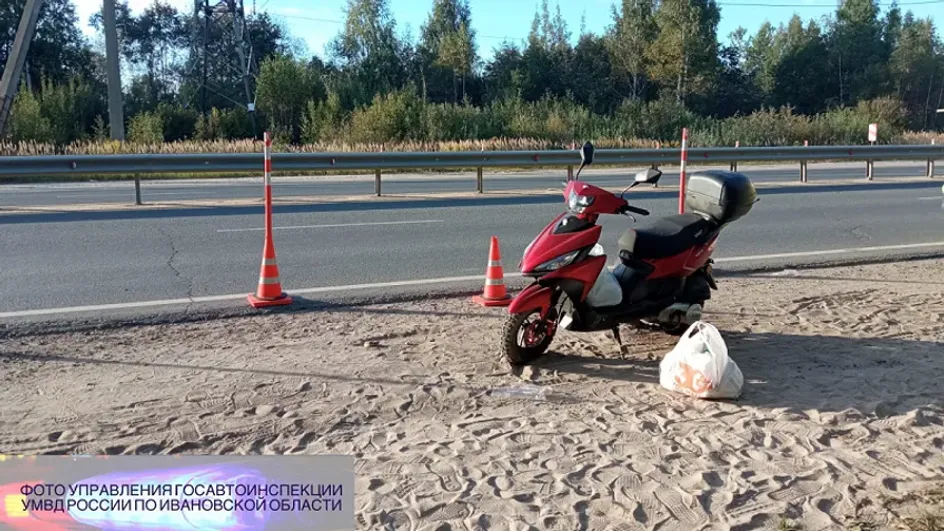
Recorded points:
(684, 263)
(585, 271)
(548, 246)
(603, 202)
(533, 297)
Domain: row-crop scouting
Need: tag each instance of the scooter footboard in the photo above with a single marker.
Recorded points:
(533, 297)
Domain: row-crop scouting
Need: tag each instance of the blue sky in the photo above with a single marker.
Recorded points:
(314, 23)
(496, 19)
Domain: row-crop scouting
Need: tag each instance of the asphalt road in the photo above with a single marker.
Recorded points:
(174, 190)
(54, 260)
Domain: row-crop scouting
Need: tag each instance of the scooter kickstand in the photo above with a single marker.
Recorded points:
(616, 336)
(619, 341)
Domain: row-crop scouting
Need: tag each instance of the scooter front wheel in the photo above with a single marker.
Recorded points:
(526, 337)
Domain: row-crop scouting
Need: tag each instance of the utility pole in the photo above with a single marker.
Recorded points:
(207, 13)
(116, 121)
(116, 115)
(14, 67)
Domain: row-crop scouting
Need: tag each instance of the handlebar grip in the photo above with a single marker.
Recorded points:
(640, 211)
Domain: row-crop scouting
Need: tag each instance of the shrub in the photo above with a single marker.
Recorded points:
(70, 109)
(284, 87)
(209, 127)
(146, 128)
(235, 123)
(323, 120)
(456, 122)
(26, 121)
(179, 123)
(396, 116)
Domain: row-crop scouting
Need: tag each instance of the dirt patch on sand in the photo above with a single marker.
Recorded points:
(842, 412)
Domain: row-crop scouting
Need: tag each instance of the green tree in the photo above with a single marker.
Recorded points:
(914, 67)
(27, 123)
(591, 77)
(736, 91)
(632, 34)
(369, 51)
(503, 74)
(457, 52)
(545, 63)
(58, 51)
(858, 53)
(684, 54)
(70, 109)
(801, 76)
(158, 36)
(762, 58)
(446, 49)
(285, 86)
(146, 128)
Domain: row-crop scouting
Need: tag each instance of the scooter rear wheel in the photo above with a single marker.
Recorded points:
(525, 340)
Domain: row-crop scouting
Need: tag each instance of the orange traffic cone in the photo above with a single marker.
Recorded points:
(269, 292)
(495, 293)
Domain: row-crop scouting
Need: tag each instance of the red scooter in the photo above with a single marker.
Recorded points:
(663, 277)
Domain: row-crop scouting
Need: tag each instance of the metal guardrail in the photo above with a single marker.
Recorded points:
(54, 165)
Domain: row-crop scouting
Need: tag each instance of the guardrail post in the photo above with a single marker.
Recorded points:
(930, 168)
(377, 182)
(137, 191)
(869, 169)
(570, 173)
(656, 166)
(479, 181)
(803, 174)
(734, 164)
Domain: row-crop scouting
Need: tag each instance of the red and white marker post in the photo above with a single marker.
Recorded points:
(682, 178)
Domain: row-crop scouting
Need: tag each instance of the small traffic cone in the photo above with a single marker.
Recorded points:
(269, 291)
(495, 293)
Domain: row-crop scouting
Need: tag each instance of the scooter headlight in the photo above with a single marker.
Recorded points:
(577, 203)
(557, 263)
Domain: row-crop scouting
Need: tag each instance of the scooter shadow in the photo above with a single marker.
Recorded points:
(626, 369)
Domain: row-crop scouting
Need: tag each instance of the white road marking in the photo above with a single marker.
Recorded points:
(932, 198)
(418, 282)
(413, 222)
(143, 193)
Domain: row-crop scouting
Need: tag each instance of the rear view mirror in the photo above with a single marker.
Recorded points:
(586, 153)
(649, 176)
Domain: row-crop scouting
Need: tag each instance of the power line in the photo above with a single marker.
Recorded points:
(722, 4)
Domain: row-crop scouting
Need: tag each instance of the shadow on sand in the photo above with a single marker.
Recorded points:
(826, 373)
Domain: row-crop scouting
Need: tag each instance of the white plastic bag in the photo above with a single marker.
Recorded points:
(699, 365)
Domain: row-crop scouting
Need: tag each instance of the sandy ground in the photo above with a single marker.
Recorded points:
(841, 424)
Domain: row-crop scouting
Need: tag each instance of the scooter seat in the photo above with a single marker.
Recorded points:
(667, 237)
